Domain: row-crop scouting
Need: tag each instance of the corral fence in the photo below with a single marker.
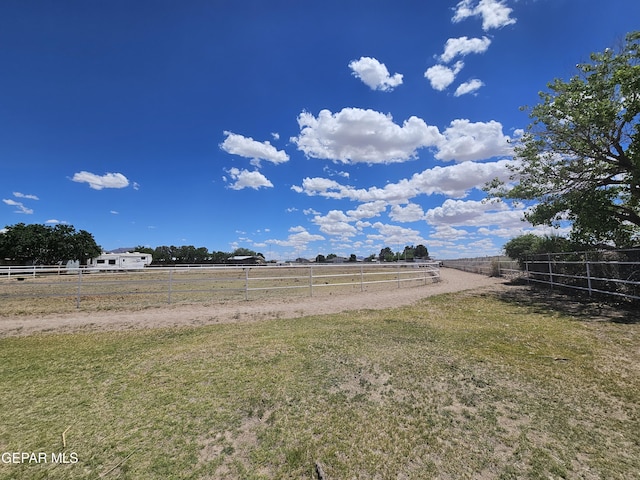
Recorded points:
(602, 272)
(496, 266)
(37, 288)
(608, 272)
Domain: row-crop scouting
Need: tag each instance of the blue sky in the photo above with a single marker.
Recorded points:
(292, 128)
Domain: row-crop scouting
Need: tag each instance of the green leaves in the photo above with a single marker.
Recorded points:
(47, 245)
(580, 156)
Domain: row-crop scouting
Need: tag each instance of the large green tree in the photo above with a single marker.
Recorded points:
(579, 160)
(47, 245)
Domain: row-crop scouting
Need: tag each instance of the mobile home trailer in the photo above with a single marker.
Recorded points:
(120, 261)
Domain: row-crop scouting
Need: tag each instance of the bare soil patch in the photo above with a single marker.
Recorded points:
(243, 311)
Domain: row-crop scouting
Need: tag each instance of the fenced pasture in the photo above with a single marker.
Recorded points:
(56, 289)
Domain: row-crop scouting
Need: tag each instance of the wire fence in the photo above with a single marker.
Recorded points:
(600, 272)
(607, 272)
(497, 266)
(52, 289)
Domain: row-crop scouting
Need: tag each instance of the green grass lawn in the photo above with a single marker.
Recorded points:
(455, 386)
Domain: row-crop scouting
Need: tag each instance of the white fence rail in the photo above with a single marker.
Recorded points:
(192, 284)
(498, 266)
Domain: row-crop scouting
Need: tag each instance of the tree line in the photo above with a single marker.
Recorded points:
(189, 254)
(46, 245)
(410, 253)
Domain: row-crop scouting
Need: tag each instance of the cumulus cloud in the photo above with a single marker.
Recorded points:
(468, 87)
(249, 148)
(464, 46)
(299, 239)
(368, 210)
(98, 182)
(411, 213)
(453, 181)
(396, 235)
(246, 179)
(335, 223)
(441, 76)
(354, 135)
(447, 232)
(494, 13)
(475, 214)
(375, 74)
(20, 208)
(467, 141)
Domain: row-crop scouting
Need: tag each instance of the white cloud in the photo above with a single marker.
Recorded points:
(393, 235)
(335, 223)
(475, 214)
(55, 221)
(466, 141)
(368, 210)
(494, 13)
(249, 148)
(442, 76)
(411, 213)
(468, 87)
(246, 179)
(375, 74)
(19, 205)
(355, 135)
(447, 232)
(452, 181)
(298, 240)
(464, 46)
(25, 196)
(333, 173)
(98, 182)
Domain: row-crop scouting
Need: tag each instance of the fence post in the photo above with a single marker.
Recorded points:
(170, 286)
(586, 261)
(310, 281)
(361, 278)
(550, 271)
(398, 275)
(246, 283)
(79, 289)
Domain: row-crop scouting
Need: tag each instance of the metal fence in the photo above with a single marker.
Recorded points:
(608, 272)
(29, 289)
(497, 266)
(605, 272)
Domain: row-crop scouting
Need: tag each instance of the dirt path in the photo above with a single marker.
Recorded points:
(235, 312)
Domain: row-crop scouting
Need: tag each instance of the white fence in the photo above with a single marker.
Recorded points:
(497, 266)
(29, 286)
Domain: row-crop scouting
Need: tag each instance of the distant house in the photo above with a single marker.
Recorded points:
(246, 260)
(338, 260)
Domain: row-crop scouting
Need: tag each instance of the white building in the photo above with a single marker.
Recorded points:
(120, 261)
